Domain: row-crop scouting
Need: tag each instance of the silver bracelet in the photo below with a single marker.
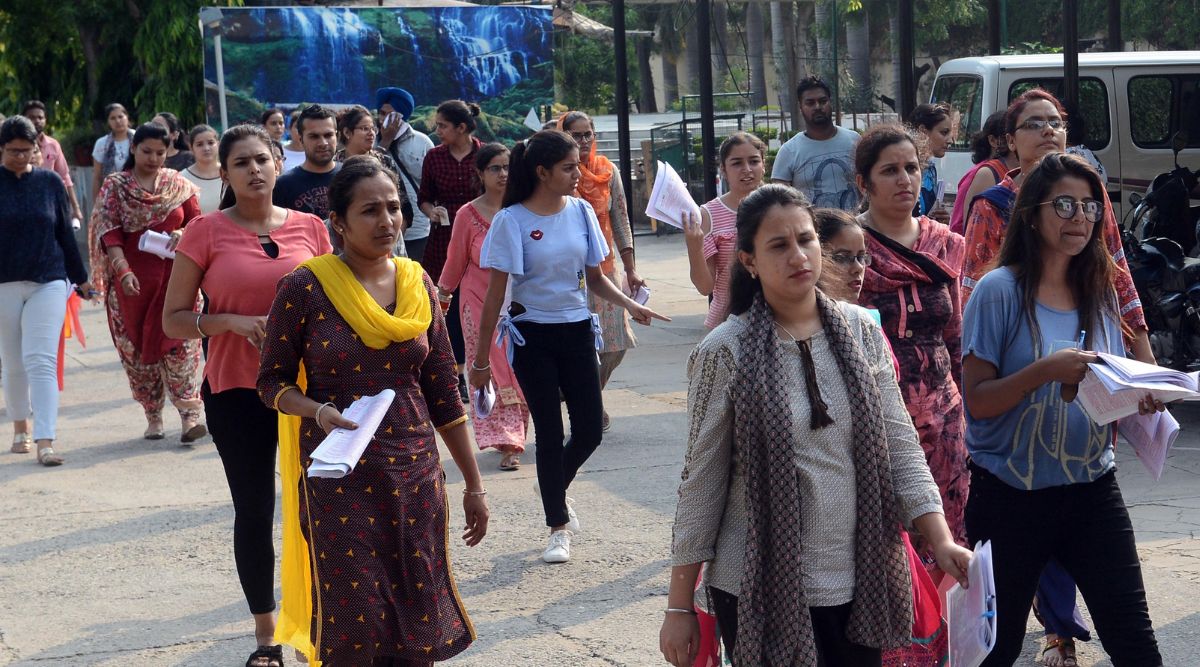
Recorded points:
(317, 415)
(673, 610)
(478, 369)
(198, 329)
(474, 493)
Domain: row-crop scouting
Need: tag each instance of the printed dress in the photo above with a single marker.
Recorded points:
(506, 426)
(916, 293)
(378, 537)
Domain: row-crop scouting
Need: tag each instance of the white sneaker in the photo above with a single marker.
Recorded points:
(573, 518)
(559, 549)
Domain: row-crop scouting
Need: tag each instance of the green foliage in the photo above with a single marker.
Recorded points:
(1023, 48)
(584, 67)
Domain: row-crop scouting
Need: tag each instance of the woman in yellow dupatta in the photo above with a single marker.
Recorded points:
(366, 566)
(600, 186)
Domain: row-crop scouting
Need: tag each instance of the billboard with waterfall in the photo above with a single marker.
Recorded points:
(497, 56)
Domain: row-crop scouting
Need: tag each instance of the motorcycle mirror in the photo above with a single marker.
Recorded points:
(1179, 141)
(1135, 198)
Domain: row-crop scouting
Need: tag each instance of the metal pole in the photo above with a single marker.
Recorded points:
(1115, 42)
(622, 67)
(837, 72)
(993, 8)
(906, 95)
(220, 80)
(1003, 24)
(1071, 54)
(708, 137)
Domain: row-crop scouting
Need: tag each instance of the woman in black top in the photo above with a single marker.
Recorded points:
(38, 260)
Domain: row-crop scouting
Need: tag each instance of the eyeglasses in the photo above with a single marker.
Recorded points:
(1065, 207)
(1039, 124)
(583, 137)
(497, 169)
(365, 128)
(846, 259)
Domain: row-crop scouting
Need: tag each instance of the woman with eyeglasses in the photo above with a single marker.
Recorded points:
(505, 427)
(600, 186)
(1043, 484)
(357, 131)
(913, 282)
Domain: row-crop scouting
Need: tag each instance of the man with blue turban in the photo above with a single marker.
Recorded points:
(408, 148)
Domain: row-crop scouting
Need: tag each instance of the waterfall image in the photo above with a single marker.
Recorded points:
(498, 56)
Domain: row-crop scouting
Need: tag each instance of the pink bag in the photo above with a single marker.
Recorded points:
(929, 642)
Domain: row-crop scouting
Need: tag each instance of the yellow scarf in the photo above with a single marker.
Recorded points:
(377, 329)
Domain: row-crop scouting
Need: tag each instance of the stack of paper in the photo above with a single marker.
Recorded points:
(341, 450)
(1151, 437)
(670, 200)
(1114, 387)
(971, 612)
(155, 243)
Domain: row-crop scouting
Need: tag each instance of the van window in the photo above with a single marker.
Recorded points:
(1161, 105)
(1093, 104)
(964, 94)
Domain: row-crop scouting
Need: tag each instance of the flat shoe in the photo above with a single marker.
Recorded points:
(22, 443)
(48, 458)
(510, 462)
(194, 433)
(154, 431)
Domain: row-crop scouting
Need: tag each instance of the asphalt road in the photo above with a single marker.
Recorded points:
(123, 555)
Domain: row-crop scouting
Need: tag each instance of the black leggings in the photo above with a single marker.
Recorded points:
(1086, 528)
(560, 357)
(834, 649)
(246, 434)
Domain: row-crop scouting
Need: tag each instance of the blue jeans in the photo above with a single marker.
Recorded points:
(1086, 528)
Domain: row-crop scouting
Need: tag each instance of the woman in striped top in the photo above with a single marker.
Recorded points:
(711, 243)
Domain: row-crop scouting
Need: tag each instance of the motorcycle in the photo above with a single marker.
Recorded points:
(1162, 262)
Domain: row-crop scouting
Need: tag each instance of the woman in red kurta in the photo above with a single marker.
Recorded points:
(913, 283)
(146, 197)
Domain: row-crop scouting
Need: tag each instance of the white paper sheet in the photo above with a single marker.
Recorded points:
(341, 450)
(670, 200)
(155, 243)
(1106, 397)
(1151, 437)
(971, 612)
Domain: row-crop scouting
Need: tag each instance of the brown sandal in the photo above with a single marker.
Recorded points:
(1065, 648)
(511, 461)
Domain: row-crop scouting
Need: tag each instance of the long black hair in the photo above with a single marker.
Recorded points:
(145, 132)
(232, 136)
(981, 148)
(175, 128)
(750, 214)
(1091, 271)
(544, 149)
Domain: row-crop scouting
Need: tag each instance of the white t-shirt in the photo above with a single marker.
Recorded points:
(122, 152)
(210, 190)
(822, 170)
(546, 257)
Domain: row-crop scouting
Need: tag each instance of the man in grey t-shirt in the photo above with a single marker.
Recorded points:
(819, 161)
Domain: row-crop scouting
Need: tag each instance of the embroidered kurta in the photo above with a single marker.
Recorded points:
(922, 318)
(378, 537)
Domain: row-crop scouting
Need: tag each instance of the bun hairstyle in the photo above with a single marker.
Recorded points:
(349, 118)
(544, 149)
(232, 137)
(459, 112)
(737, 139)
(1090, 272)
(928, 116)
(145, 132)
(873, 141)
(173, 127)
(750, 214)
(981, 148)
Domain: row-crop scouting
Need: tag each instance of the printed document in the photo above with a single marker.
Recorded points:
(670, 200)
(341, 450)
(1151, 437)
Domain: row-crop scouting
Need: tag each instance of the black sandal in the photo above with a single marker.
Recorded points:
(273, 654)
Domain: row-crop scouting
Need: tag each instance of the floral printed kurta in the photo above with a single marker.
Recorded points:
(378, 536)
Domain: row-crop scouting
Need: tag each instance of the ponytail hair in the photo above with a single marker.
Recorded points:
(750, 215)
(544, 149)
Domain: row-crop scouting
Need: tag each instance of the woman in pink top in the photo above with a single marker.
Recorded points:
(505, 427)
(711, 244)
(237, 255)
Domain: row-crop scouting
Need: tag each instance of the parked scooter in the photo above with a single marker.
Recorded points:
(1162, 262)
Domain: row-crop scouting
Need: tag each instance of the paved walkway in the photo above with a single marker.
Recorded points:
(123, 555)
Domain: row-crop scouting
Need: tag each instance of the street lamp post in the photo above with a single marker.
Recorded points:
(211, 17)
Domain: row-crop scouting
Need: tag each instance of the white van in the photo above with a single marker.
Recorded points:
(1133, 103)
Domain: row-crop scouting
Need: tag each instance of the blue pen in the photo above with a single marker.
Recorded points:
(1082, 335)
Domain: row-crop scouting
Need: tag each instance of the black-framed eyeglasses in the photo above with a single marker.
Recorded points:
(846, 259)
(1065, 207)
(583, 137)
(1039, 124)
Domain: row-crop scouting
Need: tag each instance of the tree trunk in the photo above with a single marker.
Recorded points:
(646, 101)
(755, 35)
(670, 79)
(689, 74)
(858, 47)
(720, 44)
(781, 57)
(894, 29)
(823, 30)
(805, 67)
(89, 44)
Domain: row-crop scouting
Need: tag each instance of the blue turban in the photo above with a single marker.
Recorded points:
(400, 99)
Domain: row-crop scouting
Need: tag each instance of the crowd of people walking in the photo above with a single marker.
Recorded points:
(884, 382)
